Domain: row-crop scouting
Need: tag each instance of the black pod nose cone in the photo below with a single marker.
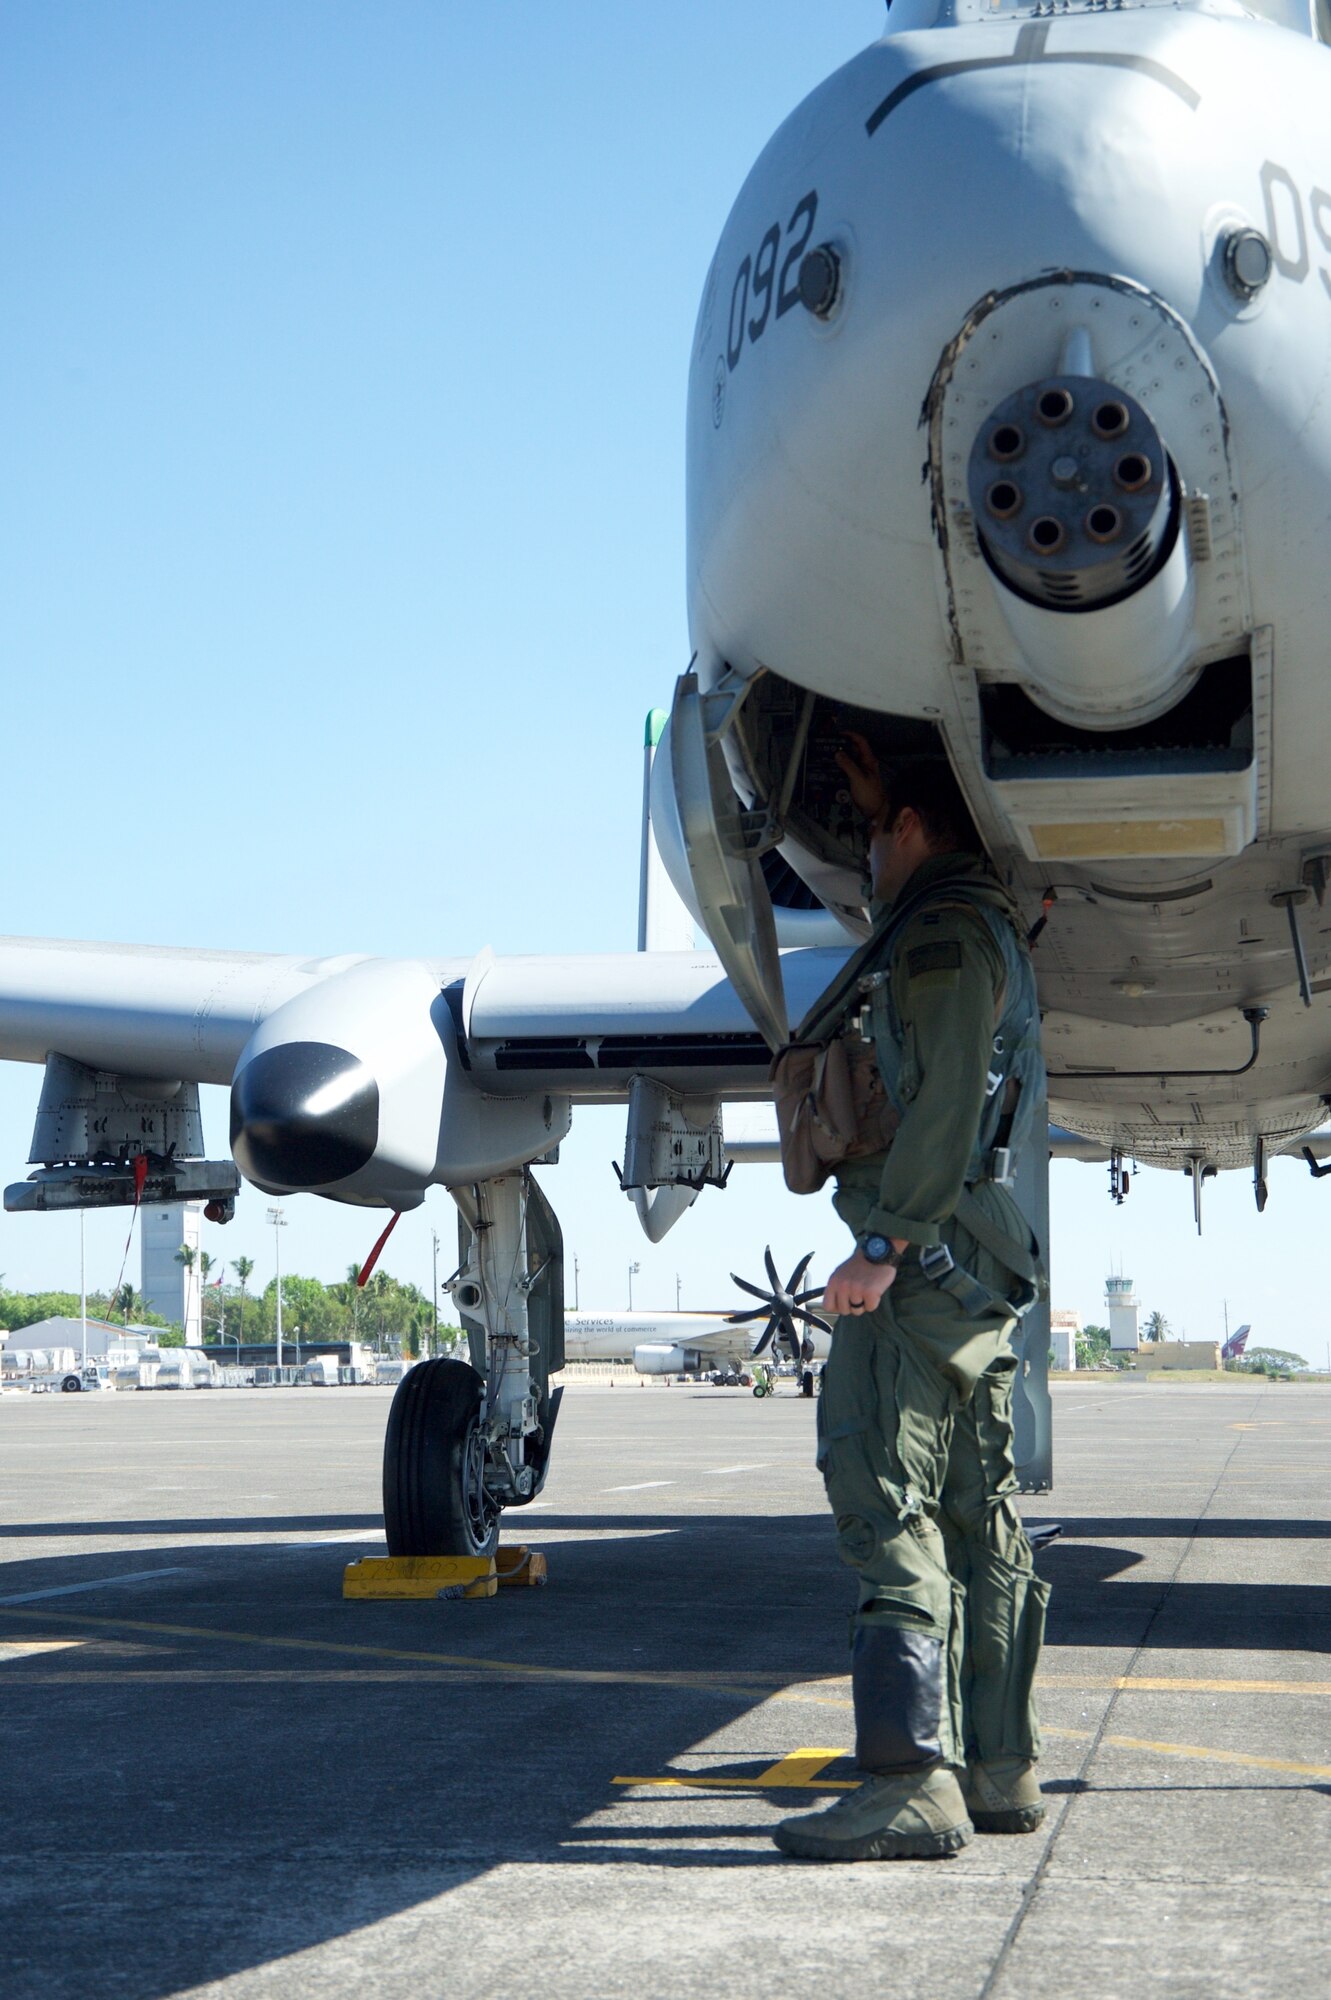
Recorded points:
(303, 1116)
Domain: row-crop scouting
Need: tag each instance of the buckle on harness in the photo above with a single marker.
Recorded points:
(999, 1167)
(936, 1260)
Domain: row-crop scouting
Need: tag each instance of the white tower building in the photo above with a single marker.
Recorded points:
(167, 1287)
(1122, 1303)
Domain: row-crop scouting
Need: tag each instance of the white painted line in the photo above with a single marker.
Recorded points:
(327, 1541)
(720, 1471)
(23, 1649)
(640, 1486)
(102, 1583)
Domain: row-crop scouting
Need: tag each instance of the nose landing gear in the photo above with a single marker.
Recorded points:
(465, 1440)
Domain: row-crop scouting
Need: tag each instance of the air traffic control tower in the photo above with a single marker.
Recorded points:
(1122, 1303)
(167, 1287)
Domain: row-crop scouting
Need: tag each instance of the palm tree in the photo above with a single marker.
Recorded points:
(205, 1266)
(186, 1256)
(244, 1270)
(1157, 1327)
(354, 1291)
(126, 1300)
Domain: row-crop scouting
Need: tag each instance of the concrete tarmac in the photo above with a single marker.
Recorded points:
(220, 1778)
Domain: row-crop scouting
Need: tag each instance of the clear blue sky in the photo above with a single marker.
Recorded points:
(341, 537)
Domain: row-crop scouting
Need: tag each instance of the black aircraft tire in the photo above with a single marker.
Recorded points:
(71, 1385)
(434, 1503)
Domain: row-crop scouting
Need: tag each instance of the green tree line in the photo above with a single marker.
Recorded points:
(386, 1313)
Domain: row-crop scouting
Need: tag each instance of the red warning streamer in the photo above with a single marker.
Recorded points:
(367, 1268)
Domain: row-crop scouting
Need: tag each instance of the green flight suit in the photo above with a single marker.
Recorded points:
(915, 1418)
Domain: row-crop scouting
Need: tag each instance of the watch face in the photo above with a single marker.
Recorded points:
(876, 1248)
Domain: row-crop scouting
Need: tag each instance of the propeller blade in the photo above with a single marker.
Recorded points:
(813, 1319)
(771, 1269)
(743, 1318)
(764, 1340)
(814, 1292)
(799, 1271)
(754, 1291)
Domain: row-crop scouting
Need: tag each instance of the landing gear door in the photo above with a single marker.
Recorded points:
(544, 1258)
(545, 1303)
(724, 845)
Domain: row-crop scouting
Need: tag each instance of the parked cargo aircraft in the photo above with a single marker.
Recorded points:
(673, 1343)
(1009, 442)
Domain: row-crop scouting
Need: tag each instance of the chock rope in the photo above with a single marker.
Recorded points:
(140, 1176)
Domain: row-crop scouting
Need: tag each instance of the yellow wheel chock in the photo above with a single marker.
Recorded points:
(385, 1577)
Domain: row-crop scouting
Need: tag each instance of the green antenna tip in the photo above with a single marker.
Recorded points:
(656, 722)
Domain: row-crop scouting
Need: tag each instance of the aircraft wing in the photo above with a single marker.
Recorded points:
(142, 1009)
(366, 1079)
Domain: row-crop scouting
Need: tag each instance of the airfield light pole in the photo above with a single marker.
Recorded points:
(575, 1282)
(633, 1270)
(278, 1220)
(677, 1291)
(83, 1289)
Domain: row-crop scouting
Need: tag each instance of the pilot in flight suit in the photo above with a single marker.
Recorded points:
(915, 1418)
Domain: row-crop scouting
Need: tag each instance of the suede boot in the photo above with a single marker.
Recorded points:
(1003, 1795)
(895, 1816)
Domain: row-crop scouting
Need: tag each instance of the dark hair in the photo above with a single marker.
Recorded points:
(928, 787)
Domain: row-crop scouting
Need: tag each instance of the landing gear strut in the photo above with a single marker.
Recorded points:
(465, 1440)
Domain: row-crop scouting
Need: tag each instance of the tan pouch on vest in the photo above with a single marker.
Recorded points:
(831, 1105)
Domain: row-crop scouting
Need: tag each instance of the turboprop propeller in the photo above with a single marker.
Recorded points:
(783, 1305)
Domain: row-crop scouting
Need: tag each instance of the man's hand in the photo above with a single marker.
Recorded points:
(857, 1286)
(860, 765)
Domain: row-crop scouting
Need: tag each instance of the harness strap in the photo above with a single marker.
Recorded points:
(1023, 1263)
(830, 1009)
(978, 1300)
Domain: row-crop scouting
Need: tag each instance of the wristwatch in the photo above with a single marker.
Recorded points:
(880, 1250)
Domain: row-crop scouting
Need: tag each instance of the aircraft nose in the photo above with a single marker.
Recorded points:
(303, 1115)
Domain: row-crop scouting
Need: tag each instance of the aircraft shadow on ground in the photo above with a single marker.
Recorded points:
(240, 1524)
(190, 1829)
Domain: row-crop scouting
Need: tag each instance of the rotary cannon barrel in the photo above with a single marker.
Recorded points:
(1074, 496)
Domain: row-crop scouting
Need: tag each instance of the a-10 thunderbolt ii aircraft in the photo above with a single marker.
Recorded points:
(1009, 439)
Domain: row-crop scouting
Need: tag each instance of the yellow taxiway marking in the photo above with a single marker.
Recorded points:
(1214, 1756)
(781, 1687)
(799, 1772)
(802, 1769)
(740, 1683)
(1172, 1684)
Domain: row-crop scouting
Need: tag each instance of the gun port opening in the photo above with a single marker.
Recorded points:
(1003, 499)
(1054, 407)
(1046, 535)
(1133, 472)
(1006, 443)
(1110, 420)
